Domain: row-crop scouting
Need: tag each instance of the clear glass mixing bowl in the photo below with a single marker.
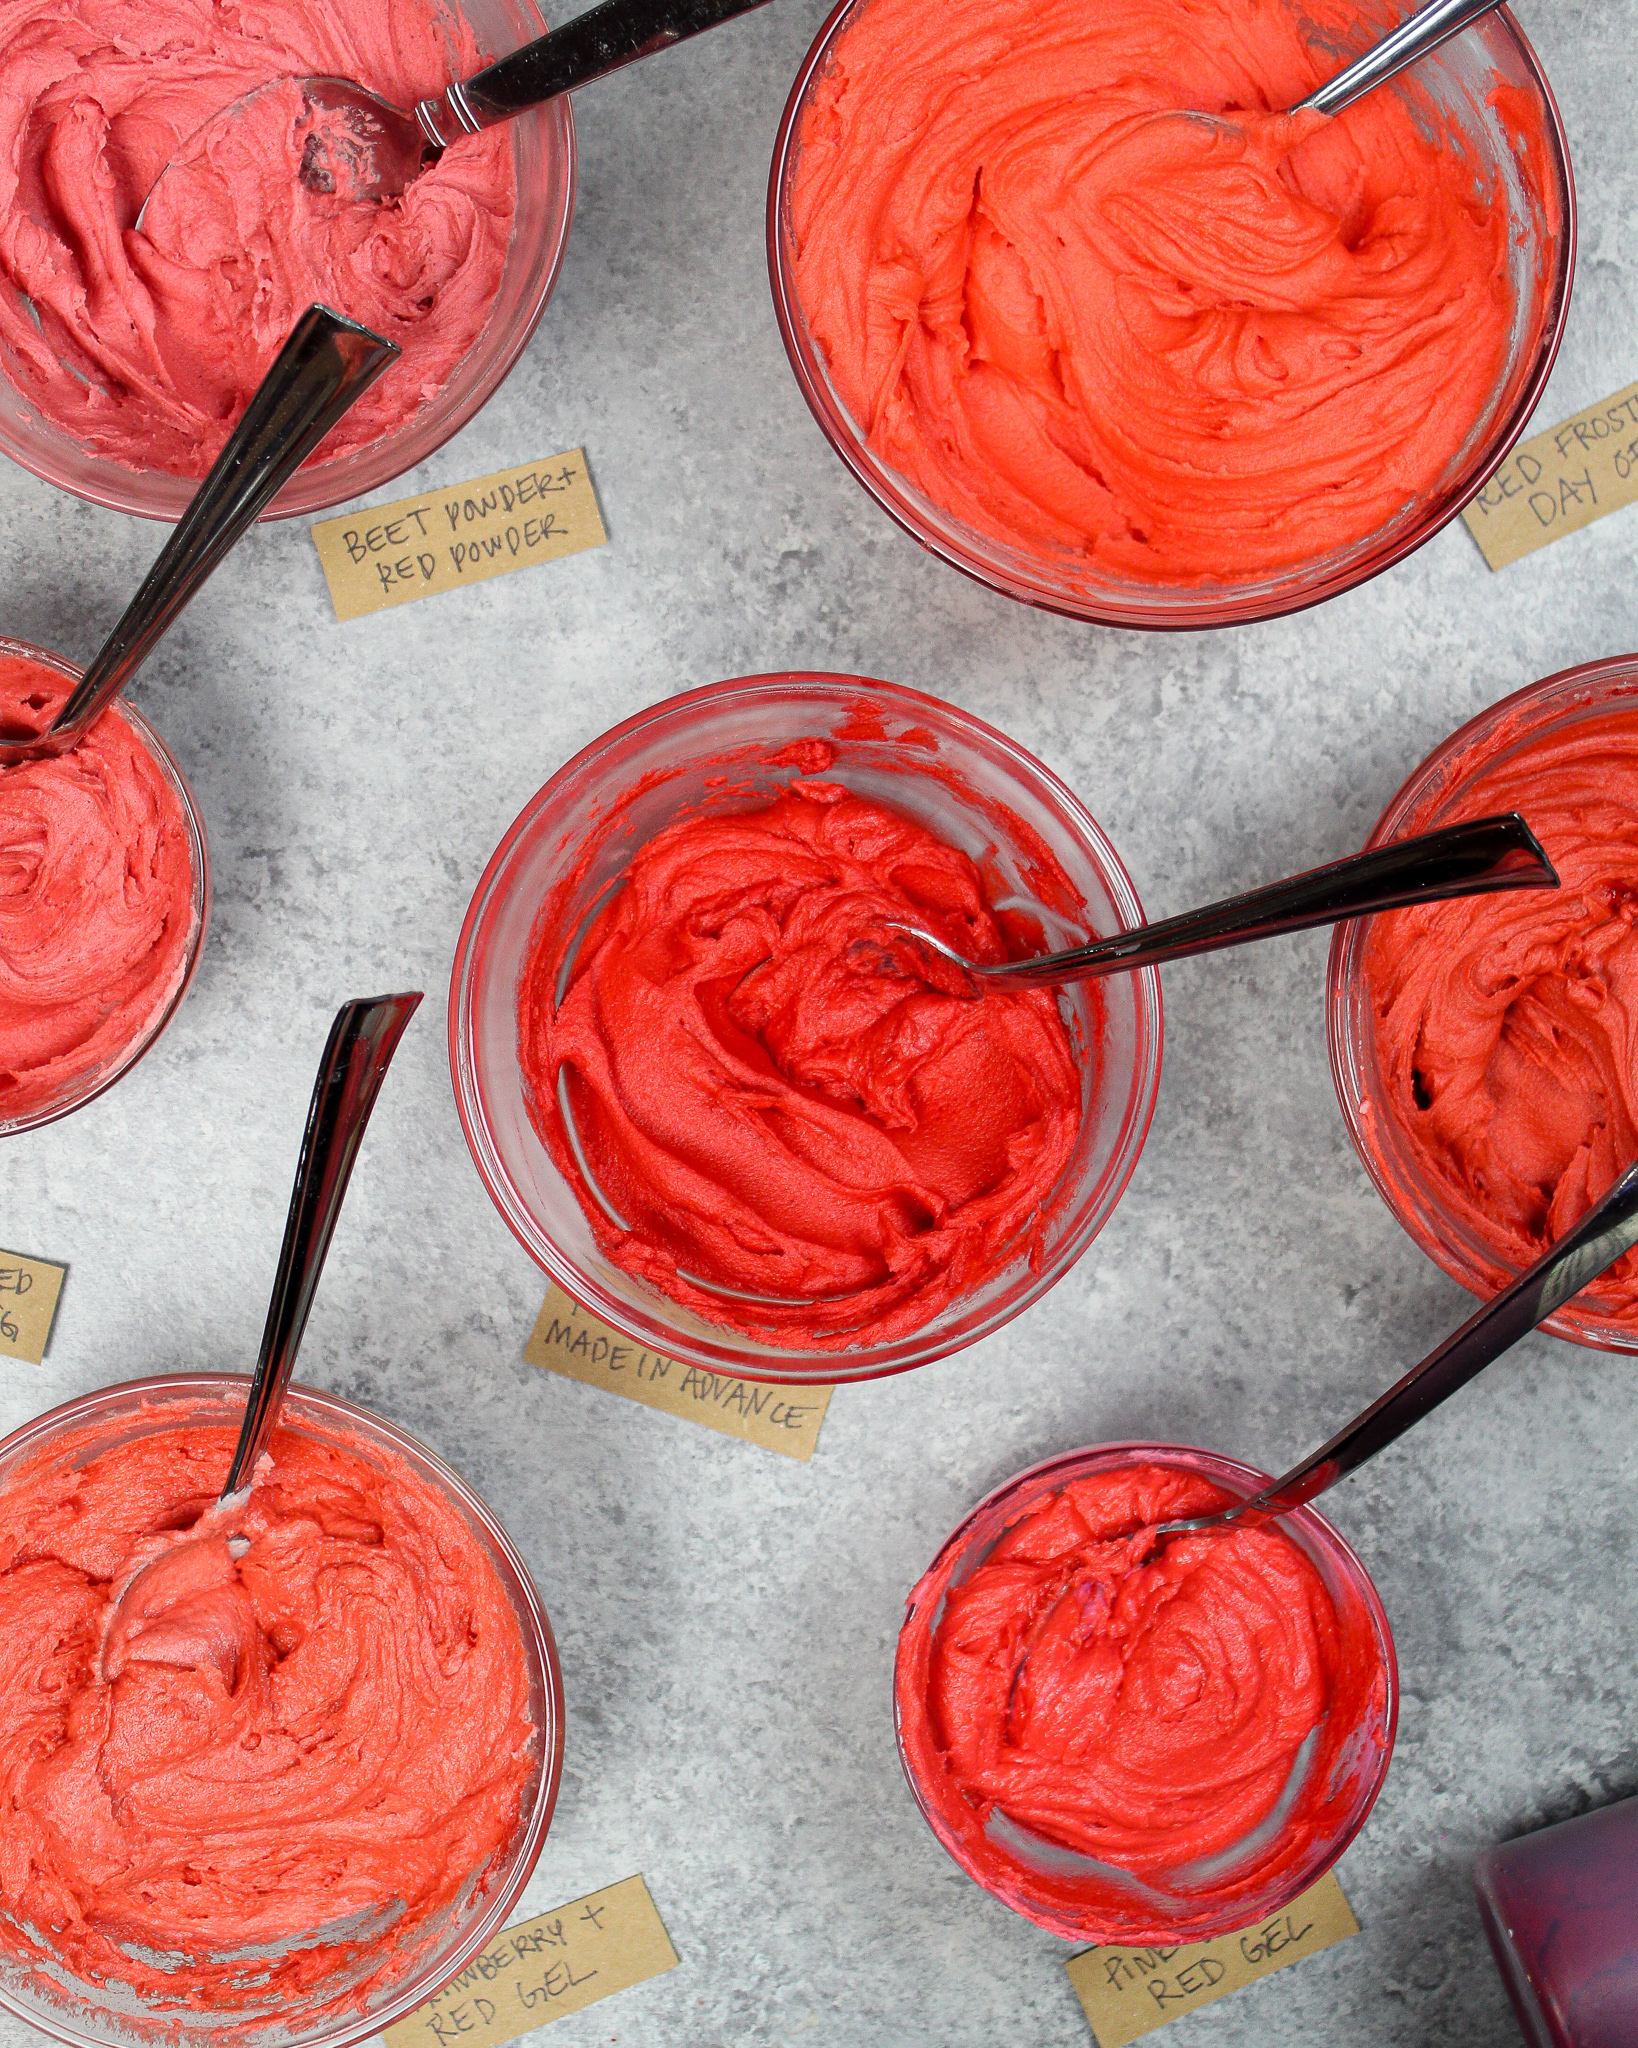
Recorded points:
(544, 153)
(729, 748)
(84, 1087)
(1075, 1896)
(88, 2015)
(1464, 77)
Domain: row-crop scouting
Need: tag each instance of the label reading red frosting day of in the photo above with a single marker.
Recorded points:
(540, 1969)
(1556, 483)
(1130, 1991)
(383, 555)
(29, 1291)
(570, 1340)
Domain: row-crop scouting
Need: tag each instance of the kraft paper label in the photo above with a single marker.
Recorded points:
(543, 1968)
(569, 1339)
(1131, 1991)
(460, 534)
(29, 1289)
(1557, 482)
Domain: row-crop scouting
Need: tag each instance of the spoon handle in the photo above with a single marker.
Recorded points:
(327, 362)
(1472, 859)
(591, 46)
(1607, 1230)
(361, 1044)
(1414, 37)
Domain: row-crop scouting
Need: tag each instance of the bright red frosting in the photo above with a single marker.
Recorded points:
(311, 1709)
(771, 1100)
(1181, 350)
(149, 344)
(1145, 1706)
(1507, 1026)
(97, 903)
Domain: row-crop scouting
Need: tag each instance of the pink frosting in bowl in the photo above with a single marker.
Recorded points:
(132, 353)
(104, 896)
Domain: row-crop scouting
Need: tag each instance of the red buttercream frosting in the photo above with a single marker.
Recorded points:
(1507, 1026)
(1184, 350)
(150, 344)
(97, 904)
(771, 1099)
(309, 1707)
(1146, 1707)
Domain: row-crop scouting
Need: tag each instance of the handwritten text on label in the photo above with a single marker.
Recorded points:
(1130, 1991)
(543, 1968)
(387, 554)
(29, 1290)
(569, 1339)
(1557, 482)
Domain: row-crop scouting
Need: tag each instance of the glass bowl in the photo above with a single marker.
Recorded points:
(1464, 76)
(730, 748)
(543, 148)
(1436, 793)
(82, 1088)
(1073, 1895)
(94, 2016)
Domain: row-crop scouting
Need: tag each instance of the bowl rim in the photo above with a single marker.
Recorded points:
(1208, 612)
(1057, 1470)
(293, 500)
(804, 1368)
(199, 860)
(486, 1924)
(1344, 975)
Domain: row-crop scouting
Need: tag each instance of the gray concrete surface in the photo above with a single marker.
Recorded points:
(726, 1618)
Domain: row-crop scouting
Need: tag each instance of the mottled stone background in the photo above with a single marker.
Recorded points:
(726, 1618)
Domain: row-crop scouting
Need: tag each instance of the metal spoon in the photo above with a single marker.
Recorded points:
(361, 1044)
(1607, 1230)
(328, 362)
(1413, 38)
(362, 1041)
(366, 148)
(1473, 859)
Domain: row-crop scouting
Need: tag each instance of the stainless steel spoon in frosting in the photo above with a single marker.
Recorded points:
(1607, 1231)
(1415, 36)
(1477, 858)
(327, 363)
(356, 1056)
(357, 1052)
(1419, 33)
(363, 147)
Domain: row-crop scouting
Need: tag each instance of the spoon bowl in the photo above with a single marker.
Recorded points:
(357, 146)
(356, 1056)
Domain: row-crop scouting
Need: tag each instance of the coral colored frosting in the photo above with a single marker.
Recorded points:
(1144, 1707)
(1180, 350)
(97, 906)
(252, 1748)
(150, 344)
(769, 1097)
(1507, 1026)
